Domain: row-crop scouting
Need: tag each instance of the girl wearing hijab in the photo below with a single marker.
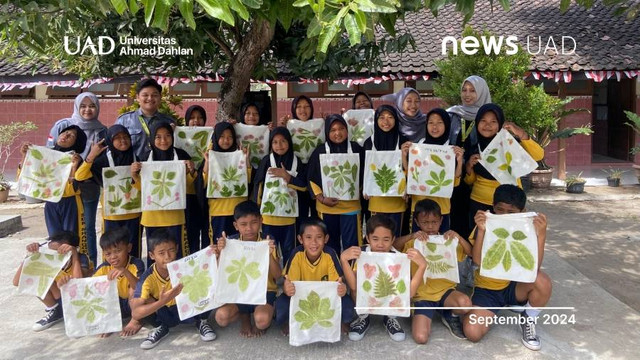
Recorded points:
(437, 133)
(489, 121)
(250, 114)
(86, 109)
(119, 152)
(411, 120)
(341, 217)
(197, 211)
(66, 215)
(386, 137)
(282, 163)
(361, 100)
(173, 221)
(221, 210)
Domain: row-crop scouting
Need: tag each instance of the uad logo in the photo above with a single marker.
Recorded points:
(105, 46)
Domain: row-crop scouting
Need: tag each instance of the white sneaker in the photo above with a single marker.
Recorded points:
(154, 337)
(206, 332)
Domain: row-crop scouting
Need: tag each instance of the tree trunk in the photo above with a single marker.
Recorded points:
(238, 75)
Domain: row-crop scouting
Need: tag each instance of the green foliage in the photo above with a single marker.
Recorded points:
(240, 272)
(634, 123)
(574, 179)
(314, 310)
(9, 133)
(384, 284)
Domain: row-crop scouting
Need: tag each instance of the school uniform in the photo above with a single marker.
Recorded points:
(136, 267)
(325, 268)
(138, 126)
(85, 264)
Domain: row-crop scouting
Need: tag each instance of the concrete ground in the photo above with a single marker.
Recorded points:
(592, 256)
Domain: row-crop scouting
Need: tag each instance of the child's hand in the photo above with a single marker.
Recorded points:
(33, 247)
(272, 244)
(24, 148)
(415, 256)
(472, 161)
(190, 166)
(283, 120)
(365, 196)
(136, 167)
(168, 295)
(342, 288)
(76, 159)
(214, 248)
(481, 220)
(288, 287)
(63, 280)
(222, 242)
(421, 235)
(459, 152)
(65, 248)
(450, 234)
(350, 254)
(540, 223)
(115, 273)
(280, 172)
(516, 130)
(232, 121)
(330, 201)
(96, 150)
(405, 148)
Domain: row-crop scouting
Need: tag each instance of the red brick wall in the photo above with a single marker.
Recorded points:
(578, 147)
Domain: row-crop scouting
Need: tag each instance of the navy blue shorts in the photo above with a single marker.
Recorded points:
(496, 298)
(426, 303)
(249, 309)
(125, 309)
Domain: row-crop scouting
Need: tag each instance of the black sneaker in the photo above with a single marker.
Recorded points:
(454, 325)
(154, 337)
(529, 337)
(358, 328)
(393, 328)
(206, 332)
(53, 316)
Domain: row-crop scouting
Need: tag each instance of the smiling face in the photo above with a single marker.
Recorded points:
(313, 241)
(118, 255)
(163, 139)
(411, 104)
(428, 222)
(252, 116)
(338, 132)
(386, 121)
(196, 119)
(164, 253)
(280, 145)
(468, 94)
(121, 141)
(362, 102)
(381, 239)
(226, 139)
(303, 110)
(88, 109)
(249, 227)
(149, 100)
(488, 125)
(67, 138)
(435, 125)
(504, 208)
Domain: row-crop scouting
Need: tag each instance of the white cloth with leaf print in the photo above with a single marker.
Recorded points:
(340, 174)
(164, 185)
(314, 313)
(39, 270)
(510, 248)
(431, 170)
(306, 136)
(44, 174)
(383, 174)
(278, 199)
(120, 196)
(441, 257)
(227, 174)
(243, 273)
(359, 124)
(91, 306)
(198, 274)
(194, 140)
(506, 159)
(256, 139)
(383, 281)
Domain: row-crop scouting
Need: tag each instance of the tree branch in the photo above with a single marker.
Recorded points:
(223, 45)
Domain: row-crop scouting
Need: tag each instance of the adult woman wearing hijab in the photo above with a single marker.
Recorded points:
(386, 137)
(489, 121)
(411, 120)
(119, 152)
(342, 217)
(361, 100)
(281, 163)
(86, 110)
(173, 221)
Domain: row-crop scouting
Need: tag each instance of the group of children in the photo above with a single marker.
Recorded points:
(147, 135)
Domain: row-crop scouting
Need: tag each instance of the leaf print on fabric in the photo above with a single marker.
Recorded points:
(385, 178)
(314, 310)
(196, 286)
(240, 272)
(384, 284)
(44, 174)
(432, 170)
(522, 255)
(120, 196)
(340, 179)
(43, 271)
(88, 309)
(494, 254)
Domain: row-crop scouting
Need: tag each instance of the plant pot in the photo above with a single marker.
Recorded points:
(541, 179)
(613, 182)
(577, 188)
(4, 195)
(526, 182)
(637, 169)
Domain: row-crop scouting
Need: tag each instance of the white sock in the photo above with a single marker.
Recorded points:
(531, 312)
(49, 308)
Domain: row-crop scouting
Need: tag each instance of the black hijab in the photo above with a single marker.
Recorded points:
(286, 159)
(217, 132)
(80, 143)
(295, 103)
(198, 108)
(164, 155)
(243, 111)
(442, 139)
(384, 140)
(120, 158)
(483, 142)
(359, 93)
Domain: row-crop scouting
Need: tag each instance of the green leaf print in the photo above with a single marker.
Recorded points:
(385, 177)
(65, 160)
(507, 165)
(401, 286)
(182, 134)
(231, 174)
(43, 271)
(226, 191)
(239, 190)
(344, 177)
(506, 261)
(439, 267)
(88, 309)
(36, 154)
(494, 254)
(384, 284)
(314, 310)
(269, 207)
(162, 184)
(366, 285)
(491, 159)
(522, 255)
(196, 286)
(239, 272)
(438, 181)
(110, 173)
(518, 235)
(357, 133)
(431, 246)
(436, 159)
(501, 233)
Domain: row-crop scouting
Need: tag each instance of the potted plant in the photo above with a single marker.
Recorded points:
(575, 183)
(8, 135)
(634, 123)
(613, 176)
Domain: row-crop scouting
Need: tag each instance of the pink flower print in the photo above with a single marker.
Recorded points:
(148, 199)
(413, 187)
(411, 169)
(25, 187)
(205, 266)
(500, 143)
(334, 163)
(417, 163)
(184, 308)
(425, 163)
(422, 188)
(249, 137)
(395, 270)
(369, 270)
(316, 132)
(448, 157)
(177, 196)
(447, 255)
(373, 302)
(102, 287)
(261, 137)
(209, 252)
(28, 163)
(127, 196)
(44, 161)
(73, 291)
(329, 183)
(175, 267)
(46, 193)
(58, 183)
(29, 281)
(54, 163)
(300, 130)
(396, 302)
(352, 122)
(510, 141)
